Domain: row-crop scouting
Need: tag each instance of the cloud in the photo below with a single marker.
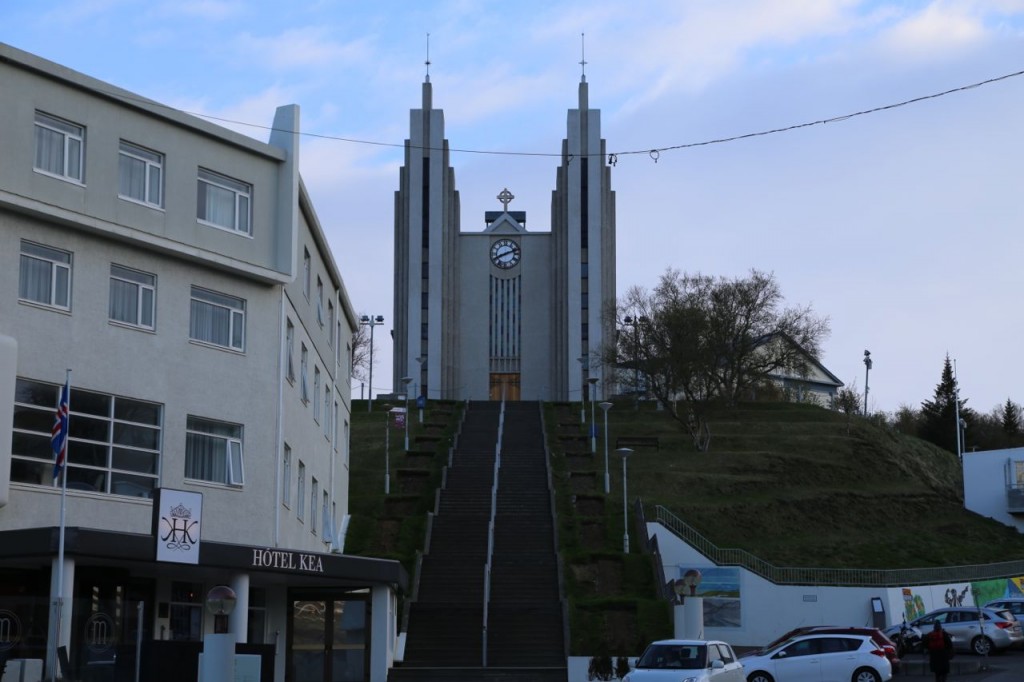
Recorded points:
(210, 10)
(303, 48)
(936, 31)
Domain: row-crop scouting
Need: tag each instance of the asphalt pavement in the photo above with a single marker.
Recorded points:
(1007, 667)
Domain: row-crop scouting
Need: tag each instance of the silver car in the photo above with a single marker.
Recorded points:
(1013, 604)
(997, 629)
(676, 660)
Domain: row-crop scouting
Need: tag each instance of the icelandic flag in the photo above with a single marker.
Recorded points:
(59, 436)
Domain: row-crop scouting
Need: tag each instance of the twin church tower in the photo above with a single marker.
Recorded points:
(503, 312)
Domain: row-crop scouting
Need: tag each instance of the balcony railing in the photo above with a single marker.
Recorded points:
(1015, 499)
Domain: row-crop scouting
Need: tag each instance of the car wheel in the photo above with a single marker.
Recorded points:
(981, 645)
(759, 676)
(866, 675)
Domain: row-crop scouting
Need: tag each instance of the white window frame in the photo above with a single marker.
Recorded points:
(286, 476)
(143, 283)
(304, 375)
(153, 169)
(72, 143)
(313, 502)
(334, 426)
(316, 394)
(325, 516)
(327, 412)
(300, 497)
(241, 214)
(289, 342)
(307, 268)
(58, 261)
(320, 301)
(235, 308)
(330, 323)
(233, 453)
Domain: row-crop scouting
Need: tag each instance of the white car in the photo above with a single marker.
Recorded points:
(687, 660)
(820, 658)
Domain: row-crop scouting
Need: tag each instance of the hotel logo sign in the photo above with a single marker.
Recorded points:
(287, 560)
(179, 525)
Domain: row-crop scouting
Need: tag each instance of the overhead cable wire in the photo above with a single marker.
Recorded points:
(653, 152)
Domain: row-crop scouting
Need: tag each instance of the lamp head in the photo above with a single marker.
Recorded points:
(364, 319)
(592, 380)
(605, 406)
(379, 319)
(220, 600)
(624, 452)
(406, 380)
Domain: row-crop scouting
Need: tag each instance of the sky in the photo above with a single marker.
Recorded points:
(902, 226)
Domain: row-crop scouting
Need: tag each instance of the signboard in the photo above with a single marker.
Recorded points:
(421, 402)
(179, 524)
(398, 416)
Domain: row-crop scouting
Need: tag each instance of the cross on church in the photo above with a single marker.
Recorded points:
(505, 197)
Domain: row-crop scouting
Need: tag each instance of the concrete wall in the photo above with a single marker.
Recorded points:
(986, 475)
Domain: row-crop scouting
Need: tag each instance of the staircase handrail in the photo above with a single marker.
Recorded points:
(490, 530)
(838, 577)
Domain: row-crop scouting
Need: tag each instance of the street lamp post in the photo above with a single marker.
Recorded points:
(867, 369)
(605, 406)
(387, 449)
(593, 423)
(625, 453)
(421, 389)
(370, 321)
(583, 388)
(635, 323)
(406, 381)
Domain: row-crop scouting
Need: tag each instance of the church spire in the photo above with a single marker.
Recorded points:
(583, 72)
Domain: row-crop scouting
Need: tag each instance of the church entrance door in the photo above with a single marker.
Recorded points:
(504, 385)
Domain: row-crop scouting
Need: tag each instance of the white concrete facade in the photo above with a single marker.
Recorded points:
(994, 485)
(534, 327)
(224, 218)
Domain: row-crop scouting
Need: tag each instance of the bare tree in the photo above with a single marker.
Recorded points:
(361, 352)
(848, 402)
(702, 339)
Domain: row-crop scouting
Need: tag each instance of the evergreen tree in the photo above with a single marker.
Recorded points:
(938, 415)
(1011, 418)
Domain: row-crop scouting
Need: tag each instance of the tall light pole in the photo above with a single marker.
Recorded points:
(405, 382)
(635, 323)
(583, 388)
(605, 406)
(371, 322)
(387, 449)
(421, 387)
(625, 453)
(593, 423)
(867, 369)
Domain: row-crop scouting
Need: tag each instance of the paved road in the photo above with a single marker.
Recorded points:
(1008, 667)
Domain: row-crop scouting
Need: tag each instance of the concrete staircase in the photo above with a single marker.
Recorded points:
(525, 633)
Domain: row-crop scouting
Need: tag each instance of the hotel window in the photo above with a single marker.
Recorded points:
(213, 451)
(140, 175)
(307, 268)
(300, 497)
(289, 348)
(319, 301)
(257, 626)
(218, 319)
(286, 476)
(325, 515)
(132, 297)
(60, 148)
(304, 374)
(224, 202)
(313, 501)
(330, 324)
(316, 394)
(334, 426)
(345, 443)
(113, 447)
(186, 612)
(45, 276)
(327, 411)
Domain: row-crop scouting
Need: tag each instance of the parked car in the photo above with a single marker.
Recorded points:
(820, 658)
(1014, 605)
(877, 636)
(674, 660)
(997, 631)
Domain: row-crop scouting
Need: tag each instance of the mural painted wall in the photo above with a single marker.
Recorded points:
(720, 588)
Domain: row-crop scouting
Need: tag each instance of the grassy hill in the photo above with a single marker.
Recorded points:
(795, 485)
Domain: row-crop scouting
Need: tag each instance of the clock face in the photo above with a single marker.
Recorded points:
(505, 253)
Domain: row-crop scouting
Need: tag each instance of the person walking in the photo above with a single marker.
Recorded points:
(939, 647)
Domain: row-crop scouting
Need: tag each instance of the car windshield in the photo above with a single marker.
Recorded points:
(661, 656)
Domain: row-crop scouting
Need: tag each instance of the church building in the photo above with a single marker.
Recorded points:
(503, 312)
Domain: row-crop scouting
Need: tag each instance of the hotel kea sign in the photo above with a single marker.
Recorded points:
(179, 524)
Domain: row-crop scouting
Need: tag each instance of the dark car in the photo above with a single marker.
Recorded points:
(877, 636)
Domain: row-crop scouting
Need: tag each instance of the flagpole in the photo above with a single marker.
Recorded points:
(60, 535)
